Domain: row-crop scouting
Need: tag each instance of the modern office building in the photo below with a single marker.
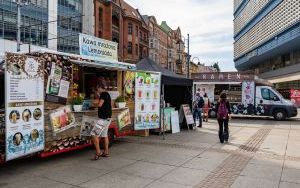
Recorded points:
(267, 40)
(52, 24)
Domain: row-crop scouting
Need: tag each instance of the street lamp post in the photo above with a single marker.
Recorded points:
(19, 4)
(197, 59)
(189, 57)
(19, 26)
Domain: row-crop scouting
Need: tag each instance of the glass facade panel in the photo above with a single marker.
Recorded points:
(34, 18)
(69, 25)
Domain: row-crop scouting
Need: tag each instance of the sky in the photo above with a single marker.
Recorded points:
(209, 23)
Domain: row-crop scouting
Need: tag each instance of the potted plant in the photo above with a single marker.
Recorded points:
(120, 101)
(77, 103)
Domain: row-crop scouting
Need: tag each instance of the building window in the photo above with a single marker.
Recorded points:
(137, 31)
(130, 28)
(151, 43)
(129, 48)
(136, 49)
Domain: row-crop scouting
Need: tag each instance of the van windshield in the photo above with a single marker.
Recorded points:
(277, 93)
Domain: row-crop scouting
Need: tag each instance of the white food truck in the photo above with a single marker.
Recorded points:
(247, 94)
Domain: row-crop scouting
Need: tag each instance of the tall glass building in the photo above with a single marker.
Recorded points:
(53, 24)
(267, 40)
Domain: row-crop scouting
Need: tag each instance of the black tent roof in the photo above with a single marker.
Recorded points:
(168, 77)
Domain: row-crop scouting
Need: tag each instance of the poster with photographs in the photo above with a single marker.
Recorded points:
(186, 113)
(208, 89)
(248, 89)
(62, 119)
(87, 125)
(129, 84)
(59, 74)
(24, 81)
(147, 100)
(124, 119)
(93, 126)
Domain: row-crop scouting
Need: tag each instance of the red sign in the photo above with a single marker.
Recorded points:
(295, 96)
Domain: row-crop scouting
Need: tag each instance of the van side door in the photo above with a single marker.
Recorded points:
(266, 101)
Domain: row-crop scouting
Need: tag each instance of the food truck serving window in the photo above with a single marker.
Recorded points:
(92, 77)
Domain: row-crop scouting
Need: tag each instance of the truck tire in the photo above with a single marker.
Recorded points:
(279, 115)
(212, 114)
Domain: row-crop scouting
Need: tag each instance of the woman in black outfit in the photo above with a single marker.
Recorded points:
(223, 116)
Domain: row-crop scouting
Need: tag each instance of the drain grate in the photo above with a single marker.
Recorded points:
(227, 172)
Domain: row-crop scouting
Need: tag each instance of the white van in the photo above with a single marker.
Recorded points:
(247, 94)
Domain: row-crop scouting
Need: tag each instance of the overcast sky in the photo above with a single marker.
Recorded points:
(209, 22)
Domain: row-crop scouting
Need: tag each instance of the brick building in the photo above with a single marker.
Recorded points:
(116, 20)
(157, 41)
(166, 44)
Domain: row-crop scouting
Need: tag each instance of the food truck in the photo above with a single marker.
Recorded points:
(247, 94)
(50, 98)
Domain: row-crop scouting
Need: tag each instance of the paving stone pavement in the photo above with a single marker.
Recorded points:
(260, 153)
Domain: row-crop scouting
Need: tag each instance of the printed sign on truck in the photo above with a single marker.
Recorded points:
(24, 87)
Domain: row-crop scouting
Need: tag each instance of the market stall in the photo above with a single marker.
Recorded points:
(171, 83)
(51, 103)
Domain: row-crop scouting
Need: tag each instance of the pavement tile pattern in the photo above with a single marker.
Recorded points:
(225, 174)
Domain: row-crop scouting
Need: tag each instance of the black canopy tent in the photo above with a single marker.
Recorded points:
(168, 77)
(176, 89)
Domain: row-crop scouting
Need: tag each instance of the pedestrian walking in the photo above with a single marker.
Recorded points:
(104, 113)
(223, 116)
(206, 107)
(197, 109)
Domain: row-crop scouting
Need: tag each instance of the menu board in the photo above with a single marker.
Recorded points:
(24, 81)
(59, 74)
(147, 100)
(185, 112)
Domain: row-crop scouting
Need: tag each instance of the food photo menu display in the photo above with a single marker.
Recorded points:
(25, 105)
(147, 100)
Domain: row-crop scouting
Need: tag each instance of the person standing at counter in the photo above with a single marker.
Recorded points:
(104, 114)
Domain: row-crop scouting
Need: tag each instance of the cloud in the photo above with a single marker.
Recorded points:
(209, 23)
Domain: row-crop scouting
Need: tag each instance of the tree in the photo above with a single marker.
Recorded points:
(216, 66)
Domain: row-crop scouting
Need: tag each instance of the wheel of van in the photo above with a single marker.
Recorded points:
(212, 114)
(279, 115)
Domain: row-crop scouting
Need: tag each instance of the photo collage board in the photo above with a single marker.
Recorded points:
(147, 100)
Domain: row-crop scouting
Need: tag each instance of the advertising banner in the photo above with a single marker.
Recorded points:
(295, 97)
(167, 119)
(129, 84)
(24, 83)
(124, 119)
(62, 119)
(248, 89)
(59, 72)
(175, 122)
(147, 100)
(88, 123)
(208, 89)
(97, 49)
(185, 112)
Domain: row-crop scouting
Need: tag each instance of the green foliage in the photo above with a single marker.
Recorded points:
(78, 100)
(216, 66)
(120, 99)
